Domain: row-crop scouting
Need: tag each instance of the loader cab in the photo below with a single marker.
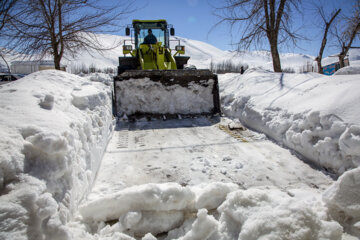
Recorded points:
(159, 29)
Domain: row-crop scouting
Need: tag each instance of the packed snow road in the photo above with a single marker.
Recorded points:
(201, 150)
(160, 178)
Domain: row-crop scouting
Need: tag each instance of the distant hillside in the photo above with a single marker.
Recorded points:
(201, 53)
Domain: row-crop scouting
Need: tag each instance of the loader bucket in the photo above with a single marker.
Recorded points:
(170, 93)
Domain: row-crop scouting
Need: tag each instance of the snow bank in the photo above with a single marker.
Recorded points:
(343, 200)
(348, 70)
(146, 96)
(314, 115)
(55, 127)
(100, 77)
(188, 213)
(272, 214)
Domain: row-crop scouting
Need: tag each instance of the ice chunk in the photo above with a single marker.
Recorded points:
(154, 222)
(349, 141)
(88, 96)
(343, 198)
(47, 102)
(100, 77)
(45, 143)
(149, 236)
(130, 219)
(202, 228)
(47, 206)
(148, 197)
(210, 196)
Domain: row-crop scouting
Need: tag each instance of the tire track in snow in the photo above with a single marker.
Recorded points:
(197, 150)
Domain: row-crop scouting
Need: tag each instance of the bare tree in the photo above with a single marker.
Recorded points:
(327, 25)
(259, 20)
(351, 30)
(54, 27)
(6, 6)
(5, 9)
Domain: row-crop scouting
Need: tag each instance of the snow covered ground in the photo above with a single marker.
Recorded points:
(205, 161)
(276, 195)
(178, 179)
(187, 178)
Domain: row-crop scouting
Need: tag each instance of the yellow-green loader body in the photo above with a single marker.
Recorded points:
(152, 81)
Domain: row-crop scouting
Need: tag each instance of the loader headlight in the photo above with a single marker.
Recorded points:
(127, 47)
(180, 48)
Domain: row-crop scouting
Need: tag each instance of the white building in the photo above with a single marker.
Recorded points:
(27, 67)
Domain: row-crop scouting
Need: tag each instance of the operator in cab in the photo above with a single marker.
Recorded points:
(150, 38)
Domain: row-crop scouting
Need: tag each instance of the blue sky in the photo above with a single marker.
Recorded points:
(194, 19)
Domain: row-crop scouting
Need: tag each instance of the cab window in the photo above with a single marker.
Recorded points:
(158, 33)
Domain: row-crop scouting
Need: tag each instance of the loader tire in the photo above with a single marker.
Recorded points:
(181, 61)
(127, 63)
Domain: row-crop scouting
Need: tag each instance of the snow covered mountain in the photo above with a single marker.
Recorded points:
(201, 55)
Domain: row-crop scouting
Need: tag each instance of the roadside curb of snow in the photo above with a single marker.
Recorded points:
(325, 140)
(56, 128)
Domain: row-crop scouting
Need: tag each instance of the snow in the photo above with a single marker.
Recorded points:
(100, 77)
(203, 227)
(343, 200)
(146, 96)
(156, 208)
(151, 197)
(254, 213)
(194, 153)
(272, 214)
(312, 114)
(55, 127)
(200, 178)
(348, 70)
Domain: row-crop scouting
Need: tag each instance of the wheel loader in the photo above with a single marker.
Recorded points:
(153, 79)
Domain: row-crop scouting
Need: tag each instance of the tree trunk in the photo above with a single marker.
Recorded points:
(323, 43)
(320, 68)
(341, 60)
(57, 60)
(345, 48)
(275, 57)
